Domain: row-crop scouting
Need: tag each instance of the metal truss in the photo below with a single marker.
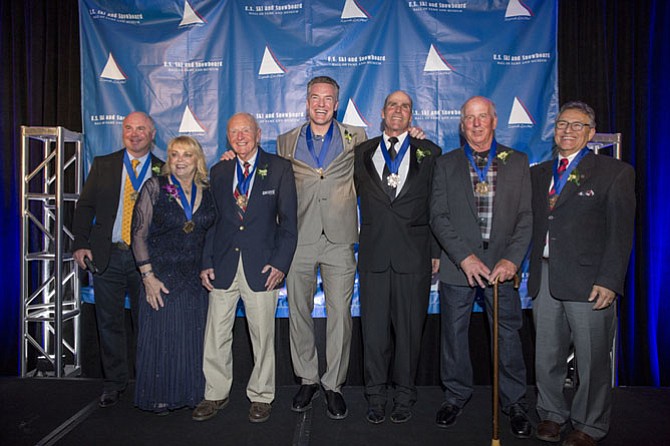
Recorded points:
(51, 179)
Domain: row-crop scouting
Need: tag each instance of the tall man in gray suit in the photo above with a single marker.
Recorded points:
(481, 216)
(322, 154)
(584, 212)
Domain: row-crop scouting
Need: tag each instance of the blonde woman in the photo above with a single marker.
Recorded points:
(170, 220)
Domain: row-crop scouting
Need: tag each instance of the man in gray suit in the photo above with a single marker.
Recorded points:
(481, 216)
(584, 214)
(322, 154)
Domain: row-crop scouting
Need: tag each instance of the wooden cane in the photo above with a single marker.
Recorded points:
(495, 440)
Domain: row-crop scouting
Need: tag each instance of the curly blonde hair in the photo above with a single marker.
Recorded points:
(192, 145)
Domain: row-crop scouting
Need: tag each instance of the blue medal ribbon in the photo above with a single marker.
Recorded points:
(243, 183)
(324, 148)
(560, 181)
(136, 181)
(481, 173)
(188, 207)
(394, 164)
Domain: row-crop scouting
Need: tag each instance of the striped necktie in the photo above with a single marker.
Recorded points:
(129, 197)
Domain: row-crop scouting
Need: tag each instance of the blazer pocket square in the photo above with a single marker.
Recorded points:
(586, 193)
(269, 192)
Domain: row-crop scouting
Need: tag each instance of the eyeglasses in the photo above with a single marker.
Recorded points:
(575, 126)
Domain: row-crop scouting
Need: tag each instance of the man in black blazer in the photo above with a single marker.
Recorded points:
(393, 175)
(98, 229)
(481, 216)
(584, 212)
(247, 253)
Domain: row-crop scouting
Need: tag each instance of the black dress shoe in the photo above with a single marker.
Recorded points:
(519, 423)
(375, 414)
(109, 398)
(337, 408)
(302, 400)
(447, 414)
(400, 414)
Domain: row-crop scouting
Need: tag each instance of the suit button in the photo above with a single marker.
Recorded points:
(551, 217)
(237, 249)
(241, 228)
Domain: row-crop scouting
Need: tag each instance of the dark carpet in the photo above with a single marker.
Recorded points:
(48, 411)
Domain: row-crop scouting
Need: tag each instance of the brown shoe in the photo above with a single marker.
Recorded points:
(208, 408)
(259, 412)
(548, 431)
(579, 438)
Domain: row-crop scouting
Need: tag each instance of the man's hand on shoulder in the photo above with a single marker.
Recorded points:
(228, 155)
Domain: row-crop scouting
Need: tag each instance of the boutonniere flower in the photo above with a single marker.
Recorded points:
(502, 156)
(172, 191)
(348, 136)
(262, 172)
(156, 170)
(421, 154)
(574, 177)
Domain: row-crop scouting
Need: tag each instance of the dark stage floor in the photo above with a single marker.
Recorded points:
(64, 412)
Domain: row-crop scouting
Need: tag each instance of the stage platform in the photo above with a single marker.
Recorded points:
(46, 411)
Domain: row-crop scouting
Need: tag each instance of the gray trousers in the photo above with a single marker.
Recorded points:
(558, 325)
(455, 366)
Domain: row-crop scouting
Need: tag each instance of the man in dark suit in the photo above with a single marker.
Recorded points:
(393, 174)
(101, 228)
(584, 212)
(247, 253)
(481, 216)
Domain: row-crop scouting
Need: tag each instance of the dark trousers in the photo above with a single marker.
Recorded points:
(455, 366)
(110, 289)
(393, 312)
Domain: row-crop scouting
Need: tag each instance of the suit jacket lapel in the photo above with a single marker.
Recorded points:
(583, 171)
(463, 171)
(370, 166)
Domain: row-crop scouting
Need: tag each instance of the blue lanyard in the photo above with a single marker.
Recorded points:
(394, 164)
(324, 148)
(243, 183)
(481, 173)
(560, 181)
(136, 181)
(188, 208)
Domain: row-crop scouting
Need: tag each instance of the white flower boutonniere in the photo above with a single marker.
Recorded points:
(348, 136)
(156, 170)
(421, 154)
(574, 177)
(502, 156)
(263, 172)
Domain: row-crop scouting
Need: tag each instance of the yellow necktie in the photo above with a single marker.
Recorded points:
(129, 197)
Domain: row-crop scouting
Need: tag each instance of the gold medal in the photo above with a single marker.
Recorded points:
(189, 226)
(133, 195)
(552, 200)
(482, 188)
(242, 201)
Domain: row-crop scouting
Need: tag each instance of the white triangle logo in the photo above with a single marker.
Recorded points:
(189, 123)
(112, 70)
(352, 116)
(517, 9)
(519, 114)
(435, 62)
(352, 10)
(269, 65)
(190, 16)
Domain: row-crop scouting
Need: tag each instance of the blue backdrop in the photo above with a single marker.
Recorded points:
(192, 64)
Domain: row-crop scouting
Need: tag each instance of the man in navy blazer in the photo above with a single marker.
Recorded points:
(247, 253)
(583, 219)
(481, 216)
(98, 236)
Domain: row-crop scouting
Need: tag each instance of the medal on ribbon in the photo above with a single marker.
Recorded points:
(482, 187)
(393, 180)
(189, 226)
(328, 137)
